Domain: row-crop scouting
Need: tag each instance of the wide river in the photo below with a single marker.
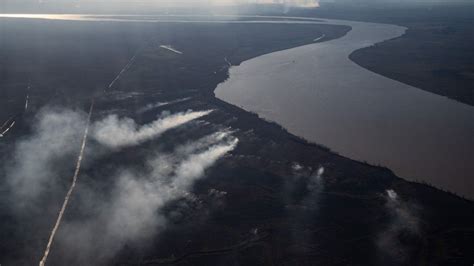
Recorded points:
(318, 93)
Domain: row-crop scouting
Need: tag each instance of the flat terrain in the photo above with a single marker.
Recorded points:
(271, 214)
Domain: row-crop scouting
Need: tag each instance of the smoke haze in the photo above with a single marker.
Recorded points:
(115, 132)
(403, 219)
(143, 6)
(128, 209)
(132, 213)
(36, 163)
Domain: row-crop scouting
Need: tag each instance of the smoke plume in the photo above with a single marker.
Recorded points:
(115, 132)
(36, 163)
(403, 227)
(132, 213)
(152, 106)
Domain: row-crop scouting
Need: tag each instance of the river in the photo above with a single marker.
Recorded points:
(318, 93)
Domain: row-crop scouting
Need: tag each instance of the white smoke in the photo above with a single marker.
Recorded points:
(320, 172)
(115, 132)
(296, 166)
(195, 165)
(132, 213)
(403, 219)
(35, 166)
(204, 142)
(152, 106)
(215, 193)
(130, 210)
(315, 183)
(392, 195)
(36, 162)
(403, 213)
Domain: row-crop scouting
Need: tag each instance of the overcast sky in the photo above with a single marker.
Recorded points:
(12, 6)
(165, 2)
(131, 5)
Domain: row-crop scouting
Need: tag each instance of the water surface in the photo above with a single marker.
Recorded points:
(316, 92)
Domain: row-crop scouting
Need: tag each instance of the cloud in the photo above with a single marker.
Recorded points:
(132, 212)
(36, 163)
(115, 132)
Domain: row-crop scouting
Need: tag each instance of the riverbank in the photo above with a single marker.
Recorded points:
(317, 93)
(435, 53)
(271, 202)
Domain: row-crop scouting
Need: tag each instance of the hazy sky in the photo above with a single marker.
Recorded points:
(131, 6)
(169, 2)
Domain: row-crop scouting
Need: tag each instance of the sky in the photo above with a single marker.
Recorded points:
(165, 2)
(6, 5)
(14, 6)
(133, 6)
(185, 6)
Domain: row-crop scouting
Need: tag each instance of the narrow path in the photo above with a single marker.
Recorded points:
(124, 69)
(169, 48)
(2, 134)
(6, 122)
(10, 122)
(73, 184)
(27, 98)
(227, 61)
(319, 38)
(78, 165)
